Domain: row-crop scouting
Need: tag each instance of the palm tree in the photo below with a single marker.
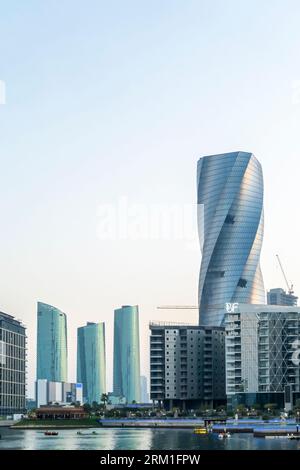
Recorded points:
(87, 408)
(95, 406)
(104, 399)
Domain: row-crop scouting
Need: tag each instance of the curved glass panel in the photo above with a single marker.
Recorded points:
(51, 343)
(230, 226)
(91, 361)
(127, 381)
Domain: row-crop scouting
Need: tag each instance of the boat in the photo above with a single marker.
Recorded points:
(51, 433)
(294, 437)
(201, 431)
(93, 433)
(224, 435)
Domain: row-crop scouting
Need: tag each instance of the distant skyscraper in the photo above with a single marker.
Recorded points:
(51, 344)
(12, 365)
(144, 390)
(91, 361)
(280, 297)
(230, 223)
(127, 354)
(57, 392)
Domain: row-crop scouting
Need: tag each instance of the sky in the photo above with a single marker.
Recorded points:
(108, 107)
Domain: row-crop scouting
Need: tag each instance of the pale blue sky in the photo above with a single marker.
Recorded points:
(120, 98)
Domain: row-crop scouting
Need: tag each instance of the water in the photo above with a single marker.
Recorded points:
(134, 439)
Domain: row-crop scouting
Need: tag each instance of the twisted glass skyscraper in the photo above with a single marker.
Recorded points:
(127, 379)
(51, 344)
(91, 361)
(230, 224)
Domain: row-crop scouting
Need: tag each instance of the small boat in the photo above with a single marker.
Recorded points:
(201, 431)
(224, 435)
(294, 437)
(51, 433)
(93, 433)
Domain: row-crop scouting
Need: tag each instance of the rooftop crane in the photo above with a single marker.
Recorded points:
(290, 287)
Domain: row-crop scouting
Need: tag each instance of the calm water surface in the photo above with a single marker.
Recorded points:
(133, 439)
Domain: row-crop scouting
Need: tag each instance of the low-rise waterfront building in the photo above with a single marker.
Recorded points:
(61, 412)
(115, 399)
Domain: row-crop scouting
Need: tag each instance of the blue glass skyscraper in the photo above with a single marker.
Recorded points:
(127, 379)
(230, 224)
(91, 361)
(51, 343)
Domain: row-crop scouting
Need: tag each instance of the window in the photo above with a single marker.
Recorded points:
(229, 219)
(242, 282)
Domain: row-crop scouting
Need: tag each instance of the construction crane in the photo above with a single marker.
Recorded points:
(175, 307)
(290, 287)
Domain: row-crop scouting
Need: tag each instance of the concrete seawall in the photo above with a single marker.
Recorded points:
(7, 422)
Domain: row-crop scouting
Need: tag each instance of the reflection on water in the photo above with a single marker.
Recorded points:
(134, 439)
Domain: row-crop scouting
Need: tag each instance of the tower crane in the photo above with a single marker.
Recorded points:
(290, 287)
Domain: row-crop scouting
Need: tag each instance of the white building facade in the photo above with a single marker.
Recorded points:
(262, 353)
(57, 392)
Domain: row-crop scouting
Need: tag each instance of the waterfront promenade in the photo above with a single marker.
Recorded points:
(258, 427)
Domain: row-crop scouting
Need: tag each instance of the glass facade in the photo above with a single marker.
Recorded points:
(51, 343)
(127, 381)
(12, 365)
(230, 224)
(144, 389)
(280, 297)
(91, 361)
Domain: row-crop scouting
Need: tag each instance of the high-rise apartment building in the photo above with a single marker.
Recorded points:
(51, 344)
(230, 224)
(280, 297)
(12, 365)
(187, 365)
(127, 381)
(91, 368)
(262, 354)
